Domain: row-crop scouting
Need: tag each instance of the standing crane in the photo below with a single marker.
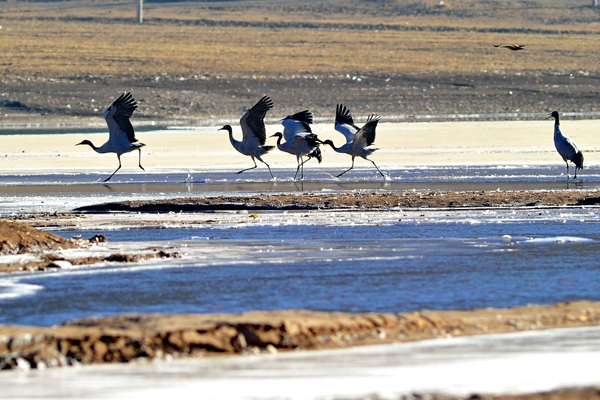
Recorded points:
(358, 140)
(254, 133)
(567, 148)
(121, 137)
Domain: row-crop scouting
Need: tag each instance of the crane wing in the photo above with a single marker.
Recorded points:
(253, 122)
(292, 127)
(573, 145)
(568, 148)
(344, 123)
(303, 116)
(117, 117)
(366, 135)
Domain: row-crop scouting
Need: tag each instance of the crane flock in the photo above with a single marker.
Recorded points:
(300, 141)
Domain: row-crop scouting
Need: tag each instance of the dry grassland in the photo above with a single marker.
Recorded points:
(62, 40)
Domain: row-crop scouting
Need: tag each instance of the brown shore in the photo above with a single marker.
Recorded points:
(124, 338)
(47, 248)
(360, 201)
(210, 60)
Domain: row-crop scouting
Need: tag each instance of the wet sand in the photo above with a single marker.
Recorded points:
(400, 144)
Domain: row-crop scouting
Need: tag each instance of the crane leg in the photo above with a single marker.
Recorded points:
(567, 162)
(380, 173)
(302, 165)
(301, 168)
(337, 176)
(262, 161)
(299, 165)
(248, 169)
(108, 179)
(140, 162)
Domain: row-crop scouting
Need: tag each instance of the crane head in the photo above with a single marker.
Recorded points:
(277, 134)
(226, 128)
(553, 114)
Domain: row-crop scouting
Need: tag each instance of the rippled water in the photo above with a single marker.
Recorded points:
(348, 261)
(380, 261)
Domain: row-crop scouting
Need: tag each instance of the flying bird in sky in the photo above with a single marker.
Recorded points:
(513, 47)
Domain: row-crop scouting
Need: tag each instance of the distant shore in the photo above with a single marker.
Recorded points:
(183, 100)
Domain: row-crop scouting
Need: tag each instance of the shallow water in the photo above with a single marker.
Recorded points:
(380, 261)
(348, 261)
(30, 193)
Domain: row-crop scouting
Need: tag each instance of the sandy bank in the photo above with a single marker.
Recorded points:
(400, 144)
(359, 201)
(128, 337)
(43, 251)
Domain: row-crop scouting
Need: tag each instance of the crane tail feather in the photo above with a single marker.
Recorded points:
(578, 160)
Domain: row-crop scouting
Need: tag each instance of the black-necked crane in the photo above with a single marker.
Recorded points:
(567, 148)
(254, 133)
(300, 145)
(299, 124)
(121, 137)
(296, 123)
(358, 140)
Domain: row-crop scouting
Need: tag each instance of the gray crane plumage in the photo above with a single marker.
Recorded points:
(121, 138)
(300, 145)
(254, 134)
(358, 140)
(566, 147)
